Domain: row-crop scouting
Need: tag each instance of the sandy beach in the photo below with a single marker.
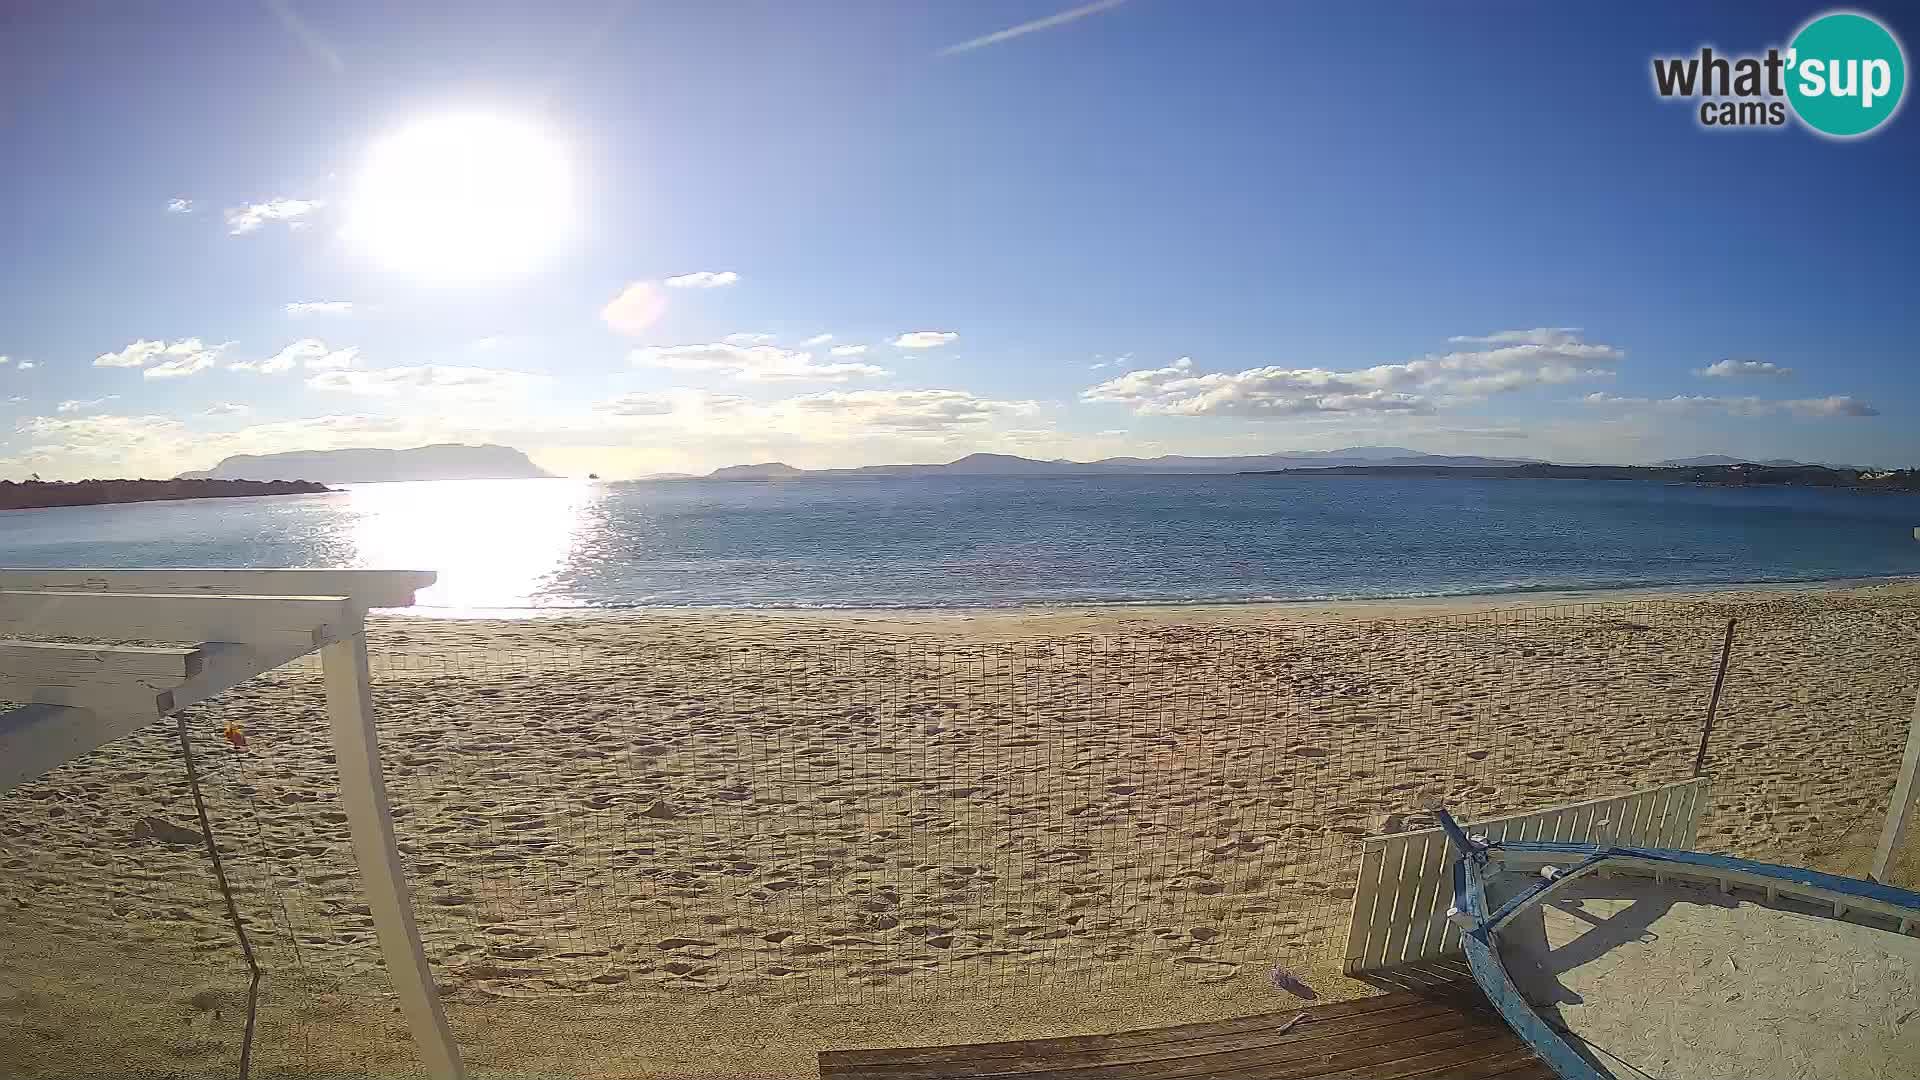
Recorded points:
(712, 844)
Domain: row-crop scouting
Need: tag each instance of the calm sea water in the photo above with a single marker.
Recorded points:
(517, 544)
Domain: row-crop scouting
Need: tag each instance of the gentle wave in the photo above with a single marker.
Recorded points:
(562, 608)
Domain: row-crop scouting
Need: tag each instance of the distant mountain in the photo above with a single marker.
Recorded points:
(442, 461)
(770, 470)
(1744, 474)
(1722, 459)
(1011, 465)
(1772, 463)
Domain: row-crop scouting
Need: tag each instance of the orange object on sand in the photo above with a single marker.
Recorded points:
(236, 735)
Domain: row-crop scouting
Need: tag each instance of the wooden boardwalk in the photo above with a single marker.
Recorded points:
(1429, 1034)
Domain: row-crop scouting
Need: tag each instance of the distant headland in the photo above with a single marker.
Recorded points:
(441, 461)
(30, 494)
(1740, 475)
(1171, 464)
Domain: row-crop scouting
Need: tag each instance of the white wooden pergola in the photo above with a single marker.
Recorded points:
(202, 632)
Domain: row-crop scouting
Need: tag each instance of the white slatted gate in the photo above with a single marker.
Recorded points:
(1406, 879)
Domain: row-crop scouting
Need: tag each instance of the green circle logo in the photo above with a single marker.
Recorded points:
(1846, 74)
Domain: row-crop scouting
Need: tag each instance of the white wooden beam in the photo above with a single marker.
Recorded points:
(169, 617)
(1900, 813)
(26, 659)
(363, 792)
(61, 723)
(227, 664)
(108, 681)
(367, 588)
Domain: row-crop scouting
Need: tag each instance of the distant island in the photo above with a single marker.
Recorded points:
(1352, 461)
(1745, 474)
(29, 494)
(442, 461)
(1171, 464)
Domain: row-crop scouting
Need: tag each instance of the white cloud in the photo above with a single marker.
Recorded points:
(1834, 405)
(245, 219)
(904, 411)
(751, 363)
(179, 206)
(320, 307)
(1415, 386)
(430, 380)
(703, 279)
(27, 365)
(169, 360)
(635, 309)
(73, 405)
(4, 360)
(1539, 335)
(638, 405)
(1730, 368)
(179, 367)
(227, 408)
(311, 353)
(848, 350)
(816, 341)
(107, 445)
(747, 339)
(708, 420)
(924, 339)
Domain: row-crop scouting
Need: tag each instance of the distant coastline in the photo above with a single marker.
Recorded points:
(363, 465)
(38, 494)
(1745, 475)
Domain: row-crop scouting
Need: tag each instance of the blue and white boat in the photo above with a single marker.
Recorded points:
(1629, 962)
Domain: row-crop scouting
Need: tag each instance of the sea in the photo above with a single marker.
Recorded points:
(520, 547)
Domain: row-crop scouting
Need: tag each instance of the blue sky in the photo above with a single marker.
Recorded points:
(1159, 227)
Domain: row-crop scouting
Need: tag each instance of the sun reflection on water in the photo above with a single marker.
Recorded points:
(494, 543)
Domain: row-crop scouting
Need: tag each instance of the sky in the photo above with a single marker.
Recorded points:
(631, 238)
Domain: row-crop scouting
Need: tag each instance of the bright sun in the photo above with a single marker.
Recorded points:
(462, 196)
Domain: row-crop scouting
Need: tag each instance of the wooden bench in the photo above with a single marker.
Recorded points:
(1429, 1034)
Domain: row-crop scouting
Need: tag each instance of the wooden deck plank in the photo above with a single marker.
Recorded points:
(1468, 1061)
(1016, 1062)
(1364, 1059)
(1134, 1037)
(1445, 1032)
(1534, 1070)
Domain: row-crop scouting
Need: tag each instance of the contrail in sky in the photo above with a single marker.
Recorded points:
(298, 27)
(1024, 28)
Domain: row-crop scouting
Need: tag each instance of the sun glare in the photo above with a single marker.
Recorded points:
(462, 196)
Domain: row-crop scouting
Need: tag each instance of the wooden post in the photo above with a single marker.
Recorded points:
(363, 791)
(1713, 703)
(1900, 814)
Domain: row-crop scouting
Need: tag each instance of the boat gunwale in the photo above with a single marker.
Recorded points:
(1480, 927)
